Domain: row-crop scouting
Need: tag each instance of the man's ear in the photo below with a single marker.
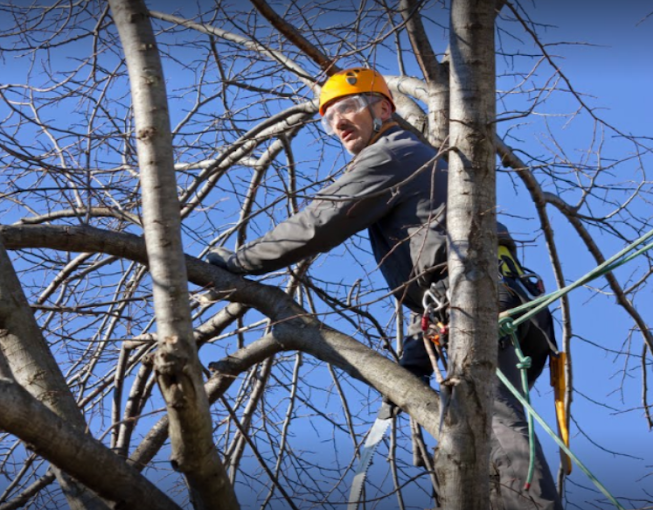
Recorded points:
(386, 109)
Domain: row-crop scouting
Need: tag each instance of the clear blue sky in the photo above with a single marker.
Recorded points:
(614, 69)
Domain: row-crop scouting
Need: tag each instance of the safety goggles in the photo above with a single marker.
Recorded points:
(348, 106)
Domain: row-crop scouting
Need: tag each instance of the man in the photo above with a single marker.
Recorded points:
(396, 187)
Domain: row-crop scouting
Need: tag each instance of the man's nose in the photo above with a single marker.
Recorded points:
(338, 120)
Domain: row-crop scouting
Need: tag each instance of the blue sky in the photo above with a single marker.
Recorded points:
(614, 70)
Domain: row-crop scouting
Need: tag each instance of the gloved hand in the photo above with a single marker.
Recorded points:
(387, 410)
(224, 258)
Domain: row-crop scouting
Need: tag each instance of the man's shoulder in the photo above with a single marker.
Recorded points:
(402, 142)
(395, 149)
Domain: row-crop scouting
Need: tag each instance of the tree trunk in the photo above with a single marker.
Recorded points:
(177, 365)
(462, 456)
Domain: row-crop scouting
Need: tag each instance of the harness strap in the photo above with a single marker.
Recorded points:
(527, 285)
(523, 282)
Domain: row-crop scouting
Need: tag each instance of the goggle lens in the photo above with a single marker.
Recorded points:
(347, 106)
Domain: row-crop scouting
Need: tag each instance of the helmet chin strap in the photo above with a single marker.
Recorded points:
(377, 123)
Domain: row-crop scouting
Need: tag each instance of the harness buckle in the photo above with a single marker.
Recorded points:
(534, 280)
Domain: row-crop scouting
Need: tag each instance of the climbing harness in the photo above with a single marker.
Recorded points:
(435, 330)
(509, 267)
(529, 286)
(434, 316)
(526, 311)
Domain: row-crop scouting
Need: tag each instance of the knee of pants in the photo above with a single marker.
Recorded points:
(415, 358)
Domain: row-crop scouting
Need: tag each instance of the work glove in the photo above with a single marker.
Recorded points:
(224, 258)
(387, 410)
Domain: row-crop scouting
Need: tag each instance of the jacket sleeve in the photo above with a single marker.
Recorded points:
(349, 205)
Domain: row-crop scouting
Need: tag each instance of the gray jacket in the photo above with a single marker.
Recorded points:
(397, 190)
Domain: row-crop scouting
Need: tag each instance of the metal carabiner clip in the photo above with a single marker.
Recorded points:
(429, 306)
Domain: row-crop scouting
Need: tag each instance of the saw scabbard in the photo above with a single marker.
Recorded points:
(559, 382)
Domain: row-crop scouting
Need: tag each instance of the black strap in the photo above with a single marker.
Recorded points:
(541, 320)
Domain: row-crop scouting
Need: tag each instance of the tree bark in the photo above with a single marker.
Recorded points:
(85, 458)
(177, 366)
(30, 362)
(462, 455)
(435, 73)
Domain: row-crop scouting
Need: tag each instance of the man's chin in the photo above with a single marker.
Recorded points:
(353, 146)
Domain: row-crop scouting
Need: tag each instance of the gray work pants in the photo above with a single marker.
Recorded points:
(509, 450)
(509, 444)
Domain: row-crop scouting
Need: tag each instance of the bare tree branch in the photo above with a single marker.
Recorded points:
(176, 363)
(26, 418)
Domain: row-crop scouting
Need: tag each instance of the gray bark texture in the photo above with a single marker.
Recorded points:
(79, 455)
(462, 455)
(435, 73)
(28, 360)
(177, 365)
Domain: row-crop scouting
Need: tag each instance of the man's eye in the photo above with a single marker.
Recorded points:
(348, 108)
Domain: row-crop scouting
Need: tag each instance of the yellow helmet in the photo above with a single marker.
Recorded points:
(356, 80)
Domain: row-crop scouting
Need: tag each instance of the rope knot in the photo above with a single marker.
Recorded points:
(524, 363)
(506, 326)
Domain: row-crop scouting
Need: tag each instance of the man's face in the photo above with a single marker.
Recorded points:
(351, 121)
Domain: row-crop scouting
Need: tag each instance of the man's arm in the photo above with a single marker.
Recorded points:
(338, 212)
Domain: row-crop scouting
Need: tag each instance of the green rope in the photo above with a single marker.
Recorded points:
(541, 302)
(508, 326)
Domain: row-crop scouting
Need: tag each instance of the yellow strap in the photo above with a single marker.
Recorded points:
(505, 270)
